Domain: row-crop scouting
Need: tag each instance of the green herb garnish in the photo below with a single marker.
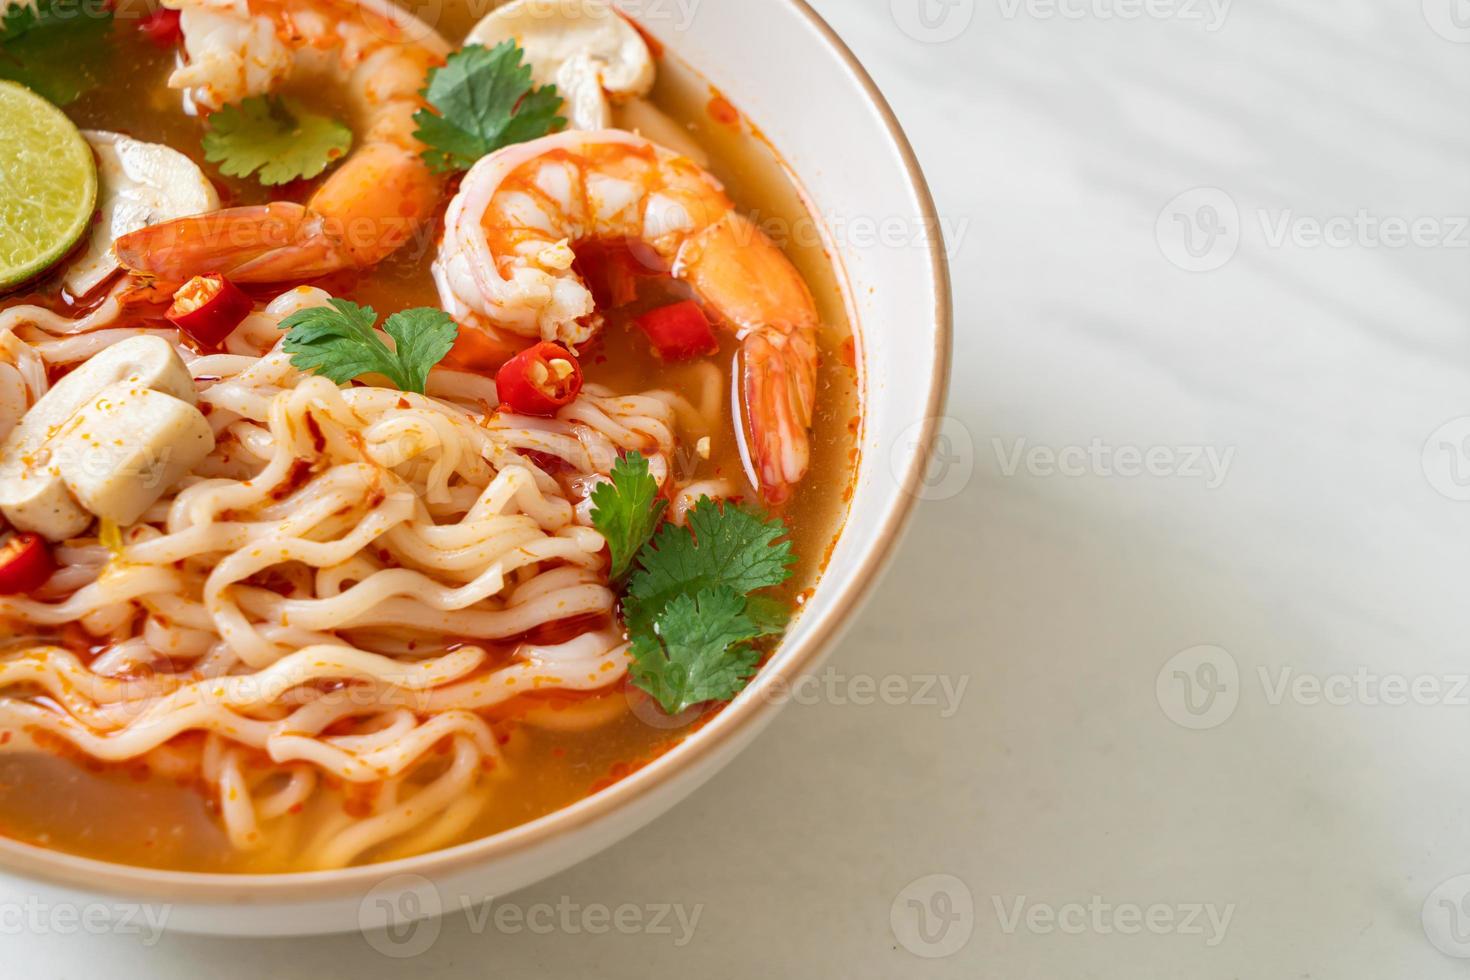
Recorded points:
(700, 652)
(723, 546)
(56, 48)
(627, 511)
(483, 100)
(275, 139)
(693, 604)
(339, 342)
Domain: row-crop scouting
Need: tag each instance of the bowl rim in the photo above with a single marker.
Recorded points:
(96, 876)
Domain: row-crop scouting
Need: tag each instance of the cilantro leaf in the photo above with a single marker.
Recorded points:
(484, 100)
(339, 343)
(57, 48)
(274, 138)
(698, 651)
(723, 546)
(627, 510)
(421, 337)
(768, 613)
(691, 607)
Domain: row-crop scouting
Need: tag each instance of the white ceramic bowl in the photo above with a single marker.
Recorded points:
(788, 73)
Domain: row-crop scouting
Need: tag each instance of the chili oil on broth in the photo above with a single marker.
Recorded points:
(127, 814)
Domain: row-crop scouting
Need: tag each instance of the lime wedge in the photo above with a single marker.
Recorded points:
(48, 184)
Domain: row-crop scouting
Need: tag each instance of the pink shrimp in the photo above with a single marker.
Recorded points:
(379, 197)
(505, 265)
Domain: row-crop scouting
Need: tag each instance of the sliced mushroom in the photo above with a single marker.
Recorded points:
(108, 440)
(140, 184)
(582, 46)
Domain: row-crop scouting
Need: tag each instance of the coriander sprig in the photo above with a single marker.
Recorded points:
(693, 604)
(276, 139)
(339, 342)
(627, 511)
(483, 99)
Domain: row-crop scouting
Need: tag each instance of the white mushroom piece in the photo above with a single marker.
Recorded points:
(140, 184)
(582, 46)
(107, 441)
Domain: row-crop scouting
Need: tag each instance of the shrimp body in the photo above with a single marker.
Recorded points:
(372, 204)
(505, 265)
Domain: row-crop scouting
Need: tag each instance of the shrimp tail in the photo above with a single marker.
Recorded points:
(364, 212)
(265, 243)
(780, 396)
(742, 275)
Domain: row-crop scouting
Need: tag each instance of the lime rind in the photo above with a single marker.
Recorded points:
(48, 185)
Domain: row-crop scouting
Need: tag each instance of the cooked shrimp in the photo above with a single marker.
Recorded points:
(506, 265)
(371, 205)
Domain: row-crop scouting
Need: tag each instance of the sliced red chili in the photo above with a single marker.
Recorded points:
(25, 563)
(539, 380)
(208, 309)
(679, 331)
(162, 27)
(611, 269)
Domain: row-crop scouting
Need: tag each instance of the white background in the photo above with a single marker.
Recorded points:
(1056, 139)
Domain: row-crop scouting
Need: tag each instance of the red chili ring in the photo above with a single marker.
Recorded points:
(25, 563)
(539, 380)
(208, 309)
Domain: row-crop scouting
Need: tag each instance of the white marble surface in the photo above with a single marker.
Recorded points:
(1320, 547)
